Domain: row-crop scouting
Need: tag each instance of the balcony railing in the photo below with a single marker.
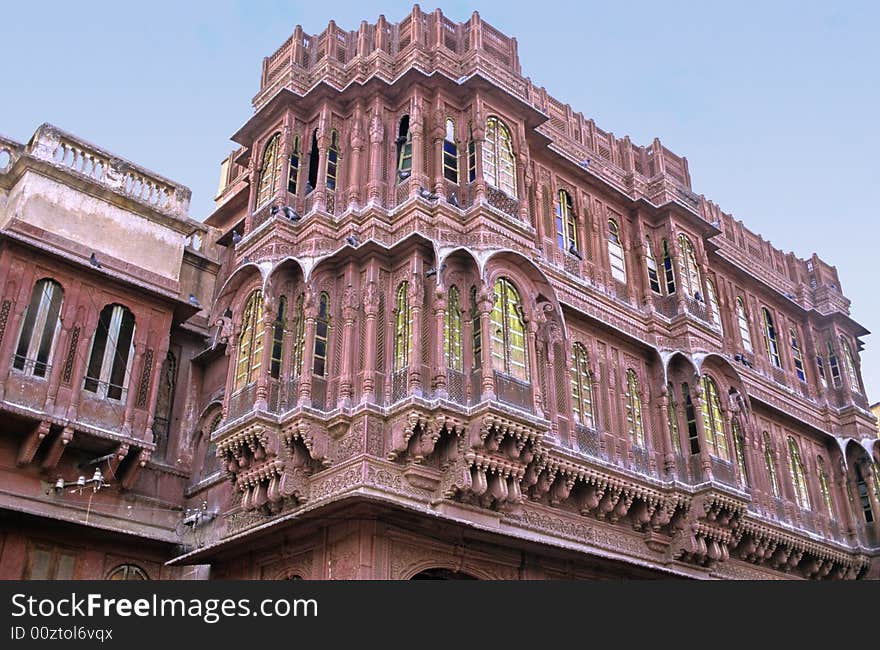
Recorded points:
(241, 401)
(513, 391)
(31, 366)
(641, 461)
(587, 440)
(723, 472)
(319, 393)
(283, 394)
(399, 388)
(455, 386)
(502, 201)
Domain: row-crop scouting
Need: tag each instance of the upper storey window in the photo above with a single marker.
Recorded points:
(668, 270)
(333, 160)
(713, 422)
(824, 486)
(796, 355)
(739, 445)
(689, 272)
(313, 163)
(849, 362)
(40, 328)
(499, 164)
(472, 155)
(402, 328)
(615, 252)
(833, 365)
(566, 225)
(270, 166)
(651, 264)
(581, 386)
(743, 321)
(112, 348)
(714, 312)
(298, 338)
(453, 341)
(771, 465)
(250, 342)
(322, 336)
(450, 153)
(771, 341)
(508, 332)
(404, 149)
(293, 166)
(634, 409)
(798, 475)
(278, 328)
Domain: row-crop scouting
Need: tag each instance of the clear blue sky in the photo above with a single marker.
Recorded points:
(775, 104)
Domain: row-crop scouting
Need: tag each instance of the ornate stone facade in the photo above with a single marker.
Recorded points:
(441, 324)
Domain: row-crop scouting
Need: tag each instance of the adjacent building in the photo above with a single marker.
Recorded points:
(439, 325)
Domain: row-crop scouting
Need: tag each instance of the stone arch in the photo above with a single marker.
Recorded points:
(670, 358)
(456, 263)
(201, 439)
(442, 574)
(283, 270)
(250, 275)
(433, 564)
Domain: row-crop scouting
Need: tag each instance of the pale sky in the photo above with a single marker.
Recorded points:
(773, 103)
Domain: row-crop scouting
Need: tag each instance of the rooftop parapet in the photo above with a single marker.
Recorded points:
(63, 150)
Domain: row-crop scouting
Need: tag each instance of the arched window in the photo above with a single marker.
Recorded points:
(452, 342)
(278, 328)
(210, 461)
(270, 167)
(771, 465)
(668, 269)
(824, 487)
(690, 414)
(581, 387)
(477, 330)
(820, 368)
(672, 417)
(250, 342)
(864, 496)
(404, 149)
(615, 252)
(472, 156)
(508, 332)
(849, 363)
(689, 272)
(293, 166)
(322, 336)
(798, 475)
(314, 157)
(499, 164)
(127, 572)
(739, 447)
(333, 160)
(771, 342)
(651, 264)
(566, 224)
(450, 153)
(796, 355)
(634, 409)
(714, 312)
(713, 422)
(298, 337)
(112, 348)
(39, 329)
(743, 321)
(833, 365)
(402, 328)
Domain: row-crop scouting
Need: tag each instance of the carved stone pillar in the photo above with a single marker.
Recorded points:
(666, 432)
(439, 357)
(371, 342)
(310, 309)
(232, 364)
(350, 303)
(523, 183)
(438, 135)
(416, 300)
(375, 184)
(705, 460)
(323, 140)
(417, 132)
(479, 133)
(485, 301)
(161, 353)
(354, 168)
(261, 398)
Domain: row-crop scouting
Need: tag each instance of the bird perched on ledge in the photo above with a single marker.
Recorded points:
(574, 251)
(353, 241)
(235, 238)
(427, 194)
(93, 260)
(453, 200)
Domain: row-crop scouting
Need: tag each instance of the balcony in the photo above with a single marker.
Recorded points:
(455, 386)
(513, 391)
(502, 201)
(241, 402)
(587, 441)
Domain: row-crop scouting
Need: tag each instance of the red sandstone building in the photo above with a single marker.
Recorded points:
(439, 325)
